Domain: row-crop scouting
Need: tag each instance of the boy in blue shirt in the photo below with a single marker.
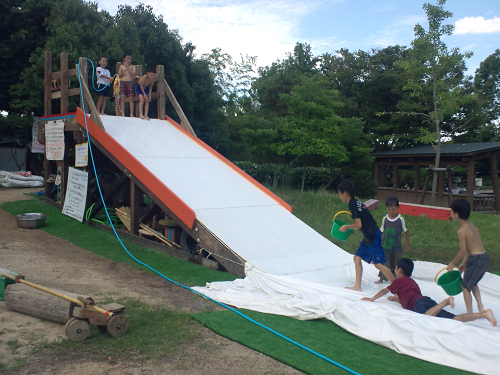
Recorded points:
(370, 249)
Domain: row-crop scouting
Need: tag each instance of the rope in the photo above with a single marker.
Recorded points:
(184, 286)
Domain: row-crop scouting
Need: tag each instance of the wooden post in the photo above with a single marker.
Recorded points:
(64, 83)
(416, 182)
(47, 83)
(160, 88)
(89, 102)
(449, 186)
(85, 80)
(494, 180)
(184, 121)
(470, 183)
(395, 179)
(47, 110)
(441, 176)
(135, 197)
(424, 190)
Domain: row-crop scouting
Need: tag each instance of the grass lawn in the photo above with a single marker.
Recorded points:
(430, 240)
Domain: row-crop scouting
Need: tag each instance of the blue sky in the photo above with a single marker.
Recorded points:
(270, 29)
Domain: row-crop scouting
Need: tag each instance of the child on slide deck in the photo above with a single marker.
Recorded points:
(407, 293)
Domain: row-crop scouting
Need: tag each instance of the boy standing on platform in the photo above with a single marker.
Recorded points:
(393, 226)
(126, 73)
(144, 88)
(474, 257)
(103, 81)
(370, 249)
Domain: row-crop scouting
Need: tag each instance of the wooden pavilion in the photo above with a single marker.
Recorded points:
(461, 154)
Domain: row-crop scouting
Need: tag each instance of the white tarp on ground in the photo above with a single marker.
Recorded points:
(472, 346)
(20, 179)
(294, 271)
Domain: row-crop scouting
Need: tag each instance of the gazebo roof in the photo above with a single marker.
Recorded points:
(448, 149)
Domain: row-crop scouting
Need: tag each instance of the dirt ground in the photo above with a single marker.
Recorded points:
(56, 263)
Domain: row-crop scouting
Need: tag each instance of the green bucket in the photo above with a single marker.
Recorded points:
(341, 236)
(451, 282)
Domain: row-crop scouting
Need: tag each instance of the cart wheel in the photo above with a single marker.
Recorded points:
(77, 329)
(117, 325)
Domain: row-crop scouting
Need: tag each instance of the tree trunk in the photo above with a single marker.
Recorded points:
(303, 180)
(34, 302)
(438, 149)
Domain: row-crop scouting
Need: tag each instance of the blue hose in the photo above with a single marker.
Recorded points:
(184, 286)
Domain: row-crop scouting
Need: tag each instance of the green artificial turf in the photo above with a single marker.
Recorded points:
(106, 244)
(322, 336)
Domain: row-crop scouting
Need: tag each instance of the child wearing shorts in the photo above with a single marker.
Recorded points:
(474, 257)
(370, 249)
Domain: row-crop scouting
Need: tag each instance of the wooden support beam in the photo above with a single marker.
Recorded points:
(494, 180)
(470, 183)
(47, 83)
(108, 194)
(135, 200)
(89, 101)
(416, 182)
(64, 83)
(184, 121)
(148, 214)
(395, 180)
(160, 90)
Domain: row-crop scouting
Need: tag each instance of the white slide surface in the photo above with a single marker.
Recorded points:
(291, 269)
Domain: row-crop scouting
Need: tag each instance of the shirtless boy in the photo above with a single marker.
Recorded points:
(474, 258)
(126, 73)
(144, 87)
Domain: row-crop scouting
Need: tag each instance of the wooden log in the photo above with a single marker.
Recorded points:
(30, 301)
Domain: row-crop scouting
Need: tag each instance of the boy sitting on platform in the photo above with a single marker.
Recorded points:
(407, 293)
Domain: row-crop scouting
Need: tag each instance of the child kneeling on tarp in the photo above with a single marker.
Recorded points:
(407, 292)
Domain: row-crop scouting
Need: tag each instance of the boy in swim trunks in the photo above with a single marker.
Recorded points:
(475, 260)
(126, 73)
(143, 88)
(370, 249)
(407, 293)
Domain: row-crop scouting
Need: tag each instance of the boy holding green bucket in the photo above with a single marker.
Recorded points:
(407, 292)
(370, 249)
(475, 260)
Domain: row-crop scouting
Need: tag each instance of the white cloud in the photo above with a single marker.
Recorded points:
(395, 33)
(477, 25)
(261, 28)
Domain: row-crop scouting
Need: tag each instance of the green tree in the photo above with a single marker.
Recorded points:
(282, 76)
(434, 89)
(308, 133)
(22, 31)
(233, 79)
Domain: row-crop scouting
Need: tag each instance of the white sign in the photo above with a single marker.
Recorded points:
(36, 147)
(54, 140)
(81, 155)
(76, 194)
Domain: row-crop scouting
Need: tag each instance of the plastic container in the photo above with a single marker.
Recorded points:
(450, 282)
(336, 233)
